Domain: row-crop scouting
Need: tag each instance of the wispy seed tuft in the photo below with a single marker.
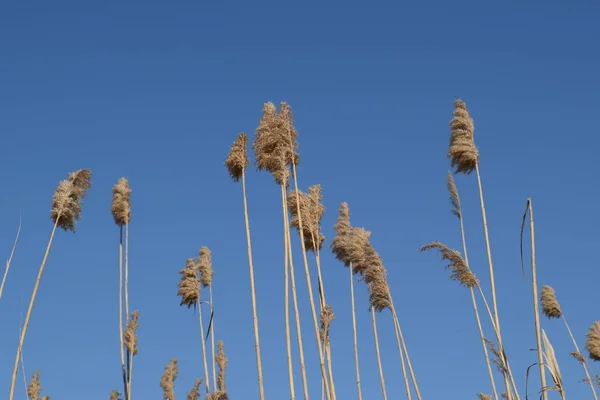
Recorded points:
(463, 154)
(237, 159)
(550, 305)
(311, 209)
(593, 341)
(205, 266)
(67, 199)
(327, 317)
(194, 394)
(121, 203)
(35, 387)
(349, 243)
(458, 266)
(454, 199)
(578, 356)
(167, 381)
(130, 335)
(483, 396)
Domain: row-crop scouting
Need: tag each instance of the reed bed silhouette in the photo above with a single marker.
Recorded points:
(276, 150)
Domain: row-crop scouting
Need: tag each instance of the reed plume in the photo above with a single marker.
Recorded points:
(35, 387)
(460, 271)
(550, 305)
(189, 285)
(206, 276)
(221, 390)
(327, 316)
(483, 396)
(115, 395)
(312, 209)
(593, 341)
(121, 203)
(167, 381)
(194, 394)
(131, 341)
(236, 163)
(65, 212)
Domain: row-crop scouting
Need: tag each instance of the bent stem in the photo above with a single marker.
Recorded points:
(9, 262)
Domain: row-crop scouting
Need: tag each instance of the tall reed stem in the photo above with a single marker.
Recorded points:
(294, 292)
(30, 309)
(491, 268)
(253, 293)
(534, 287)
(212, 339)
(207, 379)
(9, 262)
(378, 353)
(288, 341)
(124, 371)
(584, 363)
(358, 387)
(402, 363)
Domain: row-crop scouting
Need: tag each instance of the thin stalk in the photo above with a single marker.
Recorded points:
(402, 363)
(30, 309)
(207, 380)
(253, 293)
(330, 394)
(358, 387)
(376, 335)
(212, 339)
(9, 262)
(23, 364)
(491, 268)
(127, 271)
(584, 364)
(287, 307)
(129, 375)
(294, 293)
(124, 371)
(538, 333)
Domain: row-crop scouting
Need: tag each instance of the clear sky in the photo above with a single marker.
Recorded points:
(156, 91)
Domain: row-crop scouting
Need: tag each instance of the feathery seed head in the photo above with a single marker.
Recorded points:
(454, 199)
(222, 361)
(578, 356)
(460, 270)
(194, 394)
(67, 199)
(327, 317)
(463, 154)
(237, 159)
(550, 305)
(115, 395)
(167, 381)
(593, 341)
(189, 285)
(121, 203)
(35, 387)
(205, 266)
(312, 211)
(130, 335)
(350, 242)
(499, 359)
(483, 396)
(375, 275)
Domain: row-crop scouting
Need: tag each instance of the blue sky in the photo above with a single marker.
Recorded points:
(156, 91)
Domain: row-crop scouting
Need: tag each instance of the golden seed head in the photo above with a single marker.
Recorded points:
(350, 242)
(167, 381)
(222, 361)
(578, 356)
(189, 285)
(194, 394)
(35, 387)
(67, 199)
(121, 203)
(593, 341)
(312, 210)
(115, 395)
(463, 154)
(205, 266)
(237, 159)
(460, 270)
(130, 336)
(454, 199)
(327, 317)
(483, 396)
(550, 305)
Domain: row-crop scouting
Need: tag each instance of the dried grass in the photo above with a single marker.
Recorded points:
(189, 285)
(237, 160)
(578, 356)
(498, 360)
(550, 305)
(121, 203)
(483, 396)
(350, 242)
(327, 316)
(463, 154)
(222, 361)
(458, 266)
(552, 364)
(130, 335)
(35, 387)
(194, 394)
(115, 395)
(167, 381)
(312, 209)
(67, 199)
(454, 199)
(205, 266)
(593, 341)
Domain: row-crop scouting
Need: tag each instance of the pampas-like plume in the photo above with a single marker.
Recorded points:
(221, 392)
(115, 395)
(130, 335)
(578, 356)
(350, 242)
(550, 305)
(312, 211)
(483, 396)
(327, 316)
(593, 341)
(499, 358)
(35, 387)
(460, 269)
(237, 159)
(454, 199)
(463, 154)
(189, 285)
(67, 199)
(205, 266)
(121, 203)
(375, 275)
(194, 394)
(167, 381)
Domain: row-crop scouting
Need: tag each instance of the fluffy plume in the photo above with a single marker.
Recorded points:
(578, 356)
(312, 210)
(114, 395)
(194, 394)
(454, 199)
(35, 387)
(67, 199)
(375, 275)
(327, 317)
(349, 243)
(463, 154)
(205, 266)
(498, 360)
(550, 304)
(167, 381)
(276, 142)
(189, 285)
(130, 335)
(121, 203)
(237, 159)
(483, 396)
(221, 358)
(460, 269)
(593, 341)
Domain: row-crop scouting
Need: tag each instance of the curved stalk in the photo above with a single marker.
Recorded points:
(376, 335)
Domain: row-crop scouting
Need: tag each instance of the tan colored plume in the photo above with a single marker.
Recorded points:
(35, 387)
(194, 394)
(463, 154)
(550, 305)
(237, 159)
(593, 341)
(115, 395)
(121, 203)
(483, 396)
(375, 275)
(350, 242)
(189, 285)
(458, 266)
(221, 358)
(67, 199)
(312, 210)
(130, 335)
(205, 266)
(167, 381)
(578, 356)
(327, 317)
(454, 199)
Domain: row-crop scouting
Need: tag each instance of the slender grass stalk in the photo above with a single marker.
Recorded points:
(534, 287)
(204, 359)
(287, 302)
(131, 340)
(9, 261)
(212, 339)
(23, 363)
(584, 362)
(378, 353)
(122, 346)
(402, 362)
(356, 363)
(294, 293)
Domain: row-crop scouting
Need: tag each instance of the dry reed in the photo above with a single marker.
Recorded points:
(35, 387)
(194, 394)
(130, 335)
(205, 266)
(593, 341)
(552, 365)
(312, 210)
(189, 285)
(9, 262)
(483, 396)
(237, 160)
(463, 153)
(550, 305)
(458, 266)
(121, 203)
(115, 395)
(167, 380)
